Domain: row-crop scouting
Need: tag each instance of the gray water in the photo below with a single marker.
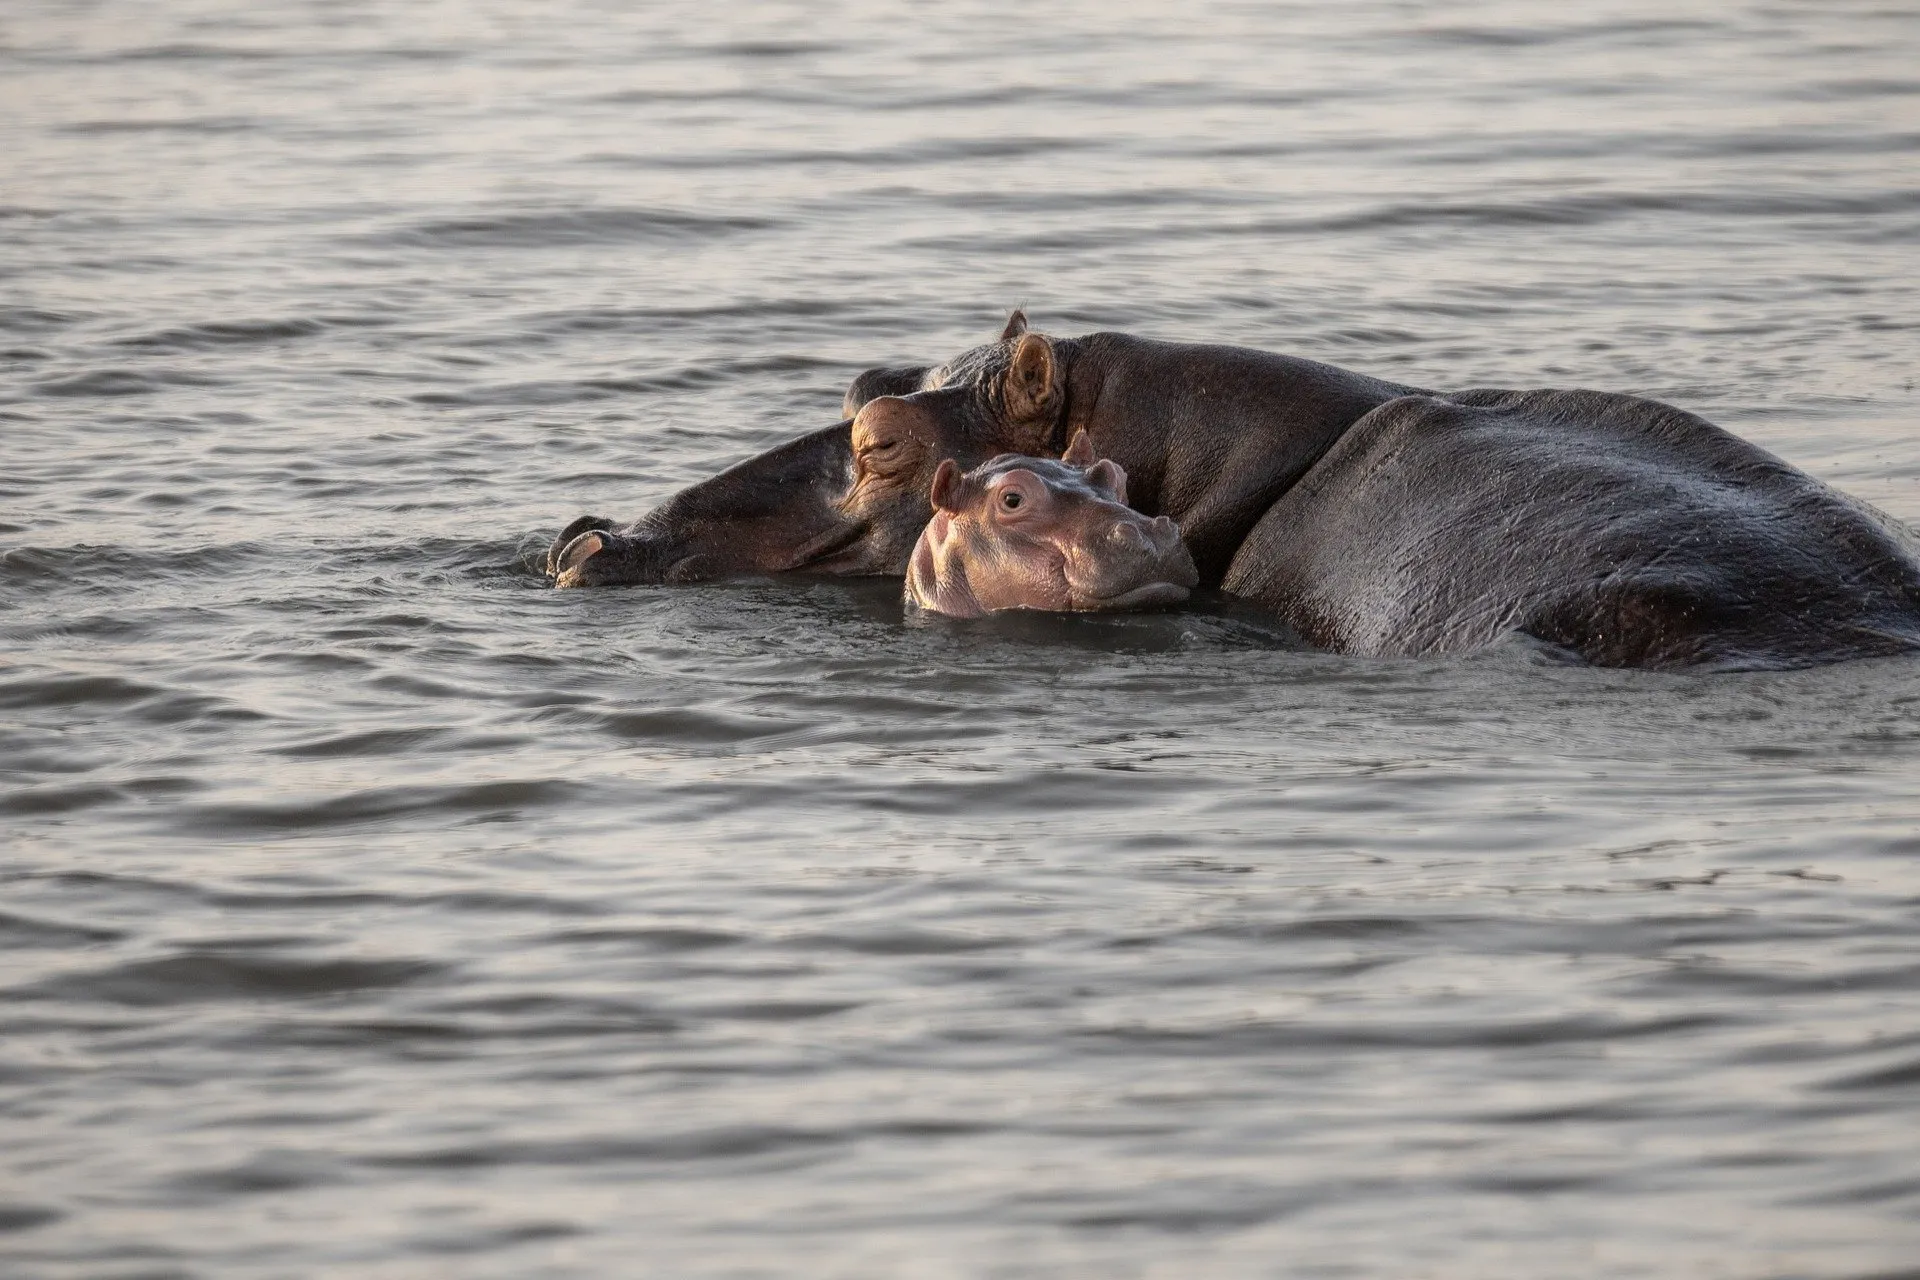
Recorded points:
(367, 908)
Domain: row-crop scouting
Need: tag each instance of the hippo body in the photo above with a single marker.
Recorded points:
(1371, 517)
(1032, 533)
(1627, 531)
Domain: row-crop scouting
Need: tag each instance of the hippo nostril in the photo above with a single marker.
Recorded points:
(1129, 537)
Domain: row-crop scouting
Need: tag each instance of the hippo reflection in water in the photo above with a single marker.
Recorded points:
(1369, 516)
(1029, 533)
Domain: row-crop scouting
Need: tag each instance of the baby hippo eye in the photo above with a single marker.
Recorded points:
(1010, 500)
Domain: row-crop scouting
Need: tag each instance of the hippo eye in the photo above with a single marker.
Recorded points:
(1010, 500)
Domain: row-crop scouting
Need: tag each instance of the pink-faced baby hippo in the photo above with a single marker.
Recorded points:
(1032, 533)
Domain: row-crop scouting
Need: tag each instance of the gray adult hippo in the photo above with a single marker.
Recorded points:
(1369, 516)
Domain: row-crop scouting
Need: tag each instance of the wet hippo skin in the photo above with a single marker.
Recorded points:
(1372, 517)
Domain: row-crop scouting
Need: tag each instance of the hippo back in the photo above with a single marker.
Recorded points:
(1628, 531)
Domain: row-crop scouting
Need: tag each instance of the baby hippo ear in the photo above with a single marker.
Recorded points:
(945, 493)
(1109, 478)
(1080, 452)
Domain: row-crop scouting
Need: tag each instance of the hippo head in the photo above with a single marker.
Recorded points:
(1029, 533)
(846, 500)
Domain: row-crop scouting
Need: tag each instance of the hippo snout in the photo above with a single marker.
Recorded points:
(595, 557)
(1157, 537)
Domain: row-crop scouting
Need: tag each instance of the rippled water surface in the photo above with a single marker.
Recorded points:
(368, 909)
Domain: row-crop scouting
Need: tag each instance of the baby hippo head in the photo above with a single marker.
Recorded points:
(1031, 533)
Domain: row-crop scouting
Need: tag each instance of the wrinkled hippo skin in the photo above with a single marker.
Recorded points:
(1031, 533)
(1372, 517)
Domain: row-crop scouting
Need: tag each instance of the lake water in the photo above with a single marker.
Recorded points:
(367, 908)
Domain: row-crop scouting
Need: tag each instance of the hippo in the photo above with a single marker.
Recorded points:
(1030, 533)
(1370, 517)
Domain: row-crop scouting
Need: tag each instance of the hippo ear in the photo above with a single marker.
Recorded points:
(1080, 453)
(1109, 478)
(945, 492)
(1016, 325)
(1034, 390)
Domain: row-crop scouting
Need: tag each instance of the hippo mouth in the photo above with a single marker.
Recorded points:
(1142, 597)
(819, 553)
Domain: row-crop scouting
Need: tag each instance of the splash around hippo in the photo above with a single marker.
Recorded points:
(1031, 533)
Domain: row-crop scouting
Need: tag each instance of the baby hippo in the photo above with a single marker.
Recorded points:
(1031, 533)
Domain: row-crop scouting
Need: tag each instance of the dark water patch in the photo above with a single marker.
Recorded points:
(371, 742)
(724, 1143)
(1736, 979)
(945, 151)
(688, 378)
(267, 1172)
(1577, 1114)
(666, 939)
(185, 124)
(17, 1216)
(1901, 1075)
(191, 51)
(542, 1014)
(1563, 211)
(1877, 1191)
(1303, 1037)
(134, 699)
(900, 942)
(540, 230)
(27, 931)
(19, 319)
(765, 49)
(646, 319)
(197, 977)
(691, 726)
(213, 335)
(1634, 31)
(122, 382)
(491, 1238)
(1851, 89)
(35, 690)
(504, 799)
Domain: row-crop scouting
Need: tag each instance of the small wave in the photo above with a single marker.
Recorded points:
(570, 227)
(122, 382)
(376, 804)
(25, 1217)
(1510, 37)
(198, 976)
(768, 48)
(1582, 210)
(83, 560)
(191, 124)
(269, 1171)
(941, 151)
(26, 931)
(571, 391)
(33, 319)
(228, 333)
(718, 1143)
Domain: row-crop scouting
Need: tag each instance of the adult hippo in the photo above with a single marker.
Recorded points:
(1370, 516)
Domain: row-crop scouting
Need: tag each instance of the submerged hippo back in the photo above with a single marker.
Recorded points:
(1032, 533)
